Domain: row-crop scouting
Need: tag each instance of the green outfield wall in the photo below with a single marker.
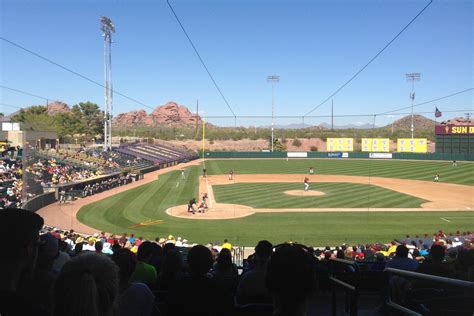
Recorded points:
(360, 155)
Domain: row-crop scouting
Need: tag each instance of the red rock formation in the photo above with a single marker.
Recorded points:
(170, 114)
(134, 118)
(57, 107)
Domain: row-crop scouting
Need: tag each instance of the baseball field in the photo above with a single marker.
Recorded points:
(347, 201)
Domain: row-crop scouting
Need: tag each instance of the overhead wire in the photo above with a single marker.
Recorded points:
(430, 101)
(72, 71)
(369, 62)
(200, 58)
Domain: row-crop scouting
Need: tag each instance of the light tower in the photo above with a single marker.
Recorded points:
(273, 79)
(414, 76)
(107, 28)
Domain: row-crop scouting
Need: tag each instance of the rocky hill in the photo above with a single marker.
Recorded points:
(458, 121)
(56, 107)
(171, 115)
(419, 121)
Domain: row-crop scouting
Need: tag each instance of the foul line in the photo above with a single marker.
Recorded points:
(444, 219)
(210, 193)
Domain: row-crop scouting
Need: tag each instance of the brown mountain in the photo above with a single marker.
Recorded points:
(170, 114)
(458, 121)
(419, 121)
(56, 107)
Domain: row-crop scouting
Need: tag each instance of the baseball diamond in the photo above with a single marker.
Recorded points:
(359, 198)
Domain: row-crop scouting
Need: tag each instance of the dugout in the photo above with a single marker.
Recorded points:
(455, 139)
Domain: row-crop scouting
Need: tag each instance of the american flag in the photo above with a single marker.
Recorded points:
(437, 113)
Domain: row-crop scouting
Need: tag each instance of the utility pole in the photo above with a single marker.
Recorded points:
(412, 77)
(107, 28)
(332, 115)
(273, 79)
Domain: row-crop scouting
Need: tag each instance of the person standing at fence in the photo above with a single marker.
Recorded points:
(62, 196)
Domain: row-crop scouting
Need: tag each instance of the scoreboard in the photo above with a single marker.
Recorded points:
(412, 145)
(375, 145)
(340, 144)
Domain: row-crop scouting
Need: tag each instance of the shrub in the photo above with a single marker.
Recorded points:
(313, 148)
(296, 142)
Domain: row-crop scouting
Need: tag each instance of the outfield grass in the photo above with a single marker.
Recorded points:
(119, 213)
(343, 195)
(402, 169)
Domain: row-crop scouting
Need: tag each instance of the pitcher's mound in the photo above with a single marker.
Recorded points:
(304, 193)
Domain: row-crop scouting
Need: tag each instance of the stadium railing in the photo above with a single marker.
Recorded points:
(351, 290)
(444, 296)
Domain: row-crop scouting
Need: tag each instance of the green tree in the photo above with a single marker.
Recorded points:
(89, 118)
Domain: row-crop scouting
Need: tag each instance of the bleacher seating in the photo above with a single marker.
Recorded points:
(159, 154)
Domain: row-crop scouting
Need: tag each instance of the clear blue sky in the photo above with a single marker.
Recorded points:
(314, 46)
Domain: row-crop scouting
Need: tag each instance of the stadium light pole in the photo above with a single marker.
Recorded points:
(412, 77)
(107, 28)
(273, 80)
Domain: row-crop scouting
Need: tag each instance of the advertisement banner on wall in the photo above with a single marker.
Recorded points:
(339, 144)
(380, 155)
(375, 144)
(412, 145)
(338, 155)
(297, 154)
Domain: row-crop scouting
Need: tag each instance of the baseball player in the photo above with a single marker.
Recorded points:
(202, 208)
(204, 199)
(436, 178)
(183, 176)
(231, 175)
(311, 170)
(190, 206)
(455, 163)
(306, 184)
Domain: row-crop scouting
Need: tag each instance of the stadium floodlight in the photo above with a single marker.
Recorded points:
(273, 79)
(107, 28)
(412, 77)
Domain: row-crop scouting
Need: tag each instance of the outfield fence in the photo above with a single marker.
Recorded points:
(359, 155)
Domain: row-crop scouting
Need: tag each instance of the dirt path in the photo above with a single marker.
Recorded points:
(64, 215)
(442, 196)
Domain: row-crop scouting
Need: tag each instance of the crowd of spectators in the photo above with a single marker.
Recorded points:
(124, 275)
(11, 182)
(11, 176)
(50, 172)
(91, 188)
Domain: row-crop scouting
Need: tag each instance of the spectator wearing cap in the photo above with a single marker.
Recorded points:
(144, 272)
(401, 260)
(18, 263)
(252, 283)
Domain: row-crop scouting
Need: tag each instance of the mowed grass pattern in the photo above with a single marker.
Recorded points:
(401, 169)
(337, 195)
(122, 212)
